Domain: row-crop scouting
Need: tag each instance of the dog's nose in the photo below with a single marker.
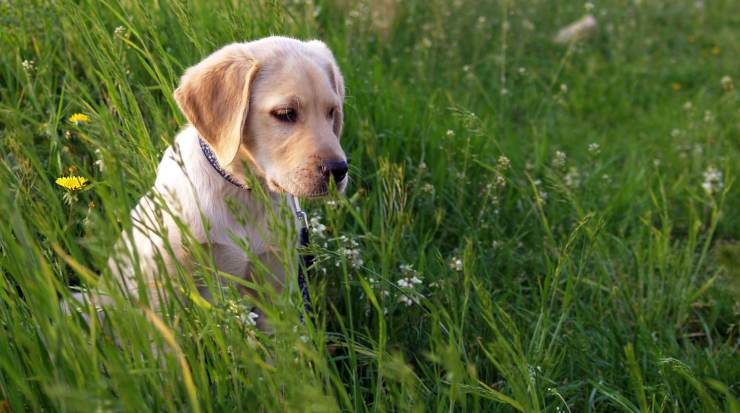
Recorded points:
(337, 169)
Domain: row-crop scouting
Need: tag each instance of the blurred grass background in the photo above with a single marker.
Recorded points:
(528, 226)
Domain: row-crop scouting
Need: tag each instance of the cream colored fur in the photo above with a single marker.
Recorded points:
(234, 99)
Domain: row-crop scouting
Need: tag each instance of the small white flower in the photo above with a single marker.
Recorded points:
(573, 177)
(99, 162)
(688, 106)
(450, 133)
(456, 264)
(559, 159)
(675, 133)
(727, 83)
(500, 181)
(251, 318)
(712, 180)
(522, 70)
(503, 163)
(564, 88)
(29, 65)
(588, 6)
(594, 148)
(708, 116)
(119, 31)
(428, 188)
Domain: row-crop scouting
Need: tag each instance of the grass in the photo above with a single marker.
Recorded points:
(574, 277)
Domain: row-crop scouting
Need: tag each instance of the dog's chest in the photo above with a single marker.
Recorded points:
(237, 235)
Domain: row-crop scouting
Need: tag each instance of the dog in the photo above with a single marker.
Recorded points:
(264, 117)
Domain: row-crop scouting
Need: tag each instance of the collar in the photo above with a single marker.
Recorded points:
(211, 158)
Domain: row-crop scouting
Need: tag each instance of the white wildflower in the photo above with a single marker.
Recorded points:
(573, 177)
(688, 106)
(708, 116)
(450, 133)
(251, 318)
(456, 263)
(29, 65)
(727, 83)
(594, 148)
(500, 181)
(317, 228)
(559, 159)
(588, 6)
(503, 163)
(712, 180)
(351, 252)
(576, 31)
(119, 31)
(99, 162)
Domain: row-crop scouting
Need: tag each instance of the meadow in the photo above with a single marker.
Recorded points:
(529, 226)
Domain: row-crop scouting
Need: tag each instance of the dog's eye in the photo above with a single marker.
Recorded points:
(286, 115)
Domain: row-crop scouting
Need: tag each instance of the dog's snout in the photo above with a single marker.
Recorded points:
(337, 169)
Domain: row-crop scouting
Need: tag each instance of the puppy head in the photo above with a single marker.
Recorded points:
(274, 104)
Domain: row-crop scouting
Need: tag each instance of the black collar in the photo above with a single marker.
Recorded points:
(211, 157)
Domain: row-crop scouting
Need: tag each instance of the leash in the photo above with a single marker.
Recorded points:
(306, 259)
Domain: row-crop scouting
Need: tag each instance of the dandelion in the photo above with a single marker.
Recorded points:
(72, 183)
(559, 160)
(594, 149)
(676, 86)
(712, 180)
(456, 263)
(29, 65)
(727, 83)
(78, 119)
(716, 50)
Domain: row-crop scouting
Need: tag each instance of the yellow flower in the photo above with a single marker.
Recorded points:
(676, 86)
(72, 183)
(79, 118)
(716, 50)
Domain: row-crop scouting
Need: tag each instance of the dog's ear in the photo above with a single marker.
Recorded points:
(214, 97)
(336, 79)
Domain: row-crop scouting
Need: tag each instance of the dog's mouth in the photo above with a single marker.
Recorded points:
(319, 191)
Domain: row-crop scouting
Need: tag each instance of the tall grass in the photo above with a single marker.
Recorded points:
(570, 212)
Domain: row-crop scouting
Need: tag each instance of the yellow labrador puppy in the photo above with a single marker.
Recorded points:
(272, 106)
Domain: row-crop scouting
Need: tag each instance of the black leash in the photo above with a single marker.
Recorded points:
(306, 260)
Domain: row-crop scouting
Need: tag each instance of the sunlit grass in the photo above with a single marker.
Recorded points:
(528, 226)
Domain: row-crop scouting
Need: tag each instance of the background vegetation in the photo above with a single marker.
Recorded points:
(529, 226)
